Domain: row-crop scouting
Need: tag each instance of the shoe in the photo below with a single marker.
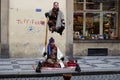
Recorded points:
(52, 31)
(78, 69)
(60, 33)
(38, 68)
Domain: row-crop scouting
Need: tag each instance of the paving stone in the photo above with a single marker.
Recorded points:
(5, 62)
(118, 64)
(95, 61)
(105, 65)
(16, 66)
(6, 67)
(26, 67)
(113, 60)
(85, 66)
(26, 62)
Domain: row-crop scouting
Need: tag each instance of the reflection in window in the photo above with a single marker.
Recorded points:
(92, 23)
(109, 27)
(78, 5)
(80, 0)
(78, 23)
(110, 5)
(92, 5)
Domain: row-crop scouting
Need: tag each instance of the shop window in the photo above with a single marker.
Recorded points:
(95, 19)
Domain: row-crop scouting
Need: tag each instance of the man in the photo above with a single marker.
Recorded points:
(53, 55)
(56, 19)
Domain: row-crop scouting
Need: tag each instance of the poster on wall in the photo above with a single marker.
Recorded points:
(32, 25)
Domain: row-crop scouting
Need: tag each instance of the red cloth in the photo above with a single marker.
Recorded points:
(71, 62)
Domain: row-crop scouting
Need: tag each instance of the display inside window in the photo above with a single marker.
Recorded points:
(109, 27)
(78, 22)
(92, 24)
(95, 19)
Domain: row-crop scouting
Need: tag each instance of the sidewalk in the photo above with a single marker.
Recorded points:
(19, 66)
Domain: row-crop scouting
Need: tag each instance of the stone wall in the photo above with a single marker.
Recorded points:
(4, 29)
(69, 27)
(119, 20)
(81, 49)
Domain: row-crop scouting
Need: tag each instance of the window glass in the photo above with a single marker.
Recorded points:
(90, 4)
(92, 23)
(110, 5)
(78, 24)
(78, 5)
(109, 25)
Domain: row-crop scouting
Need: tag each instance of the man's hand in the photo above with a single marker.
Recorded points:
(62, 59)
(47, 14)
(44, 54)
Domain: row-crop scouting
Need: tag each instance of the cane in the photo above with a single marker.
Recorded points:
(46, 36)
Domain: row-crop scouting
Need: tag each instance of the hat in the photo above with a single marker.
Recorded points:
(51, 40)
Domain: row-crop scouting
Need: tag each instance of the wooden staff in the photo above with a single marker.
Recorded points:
(46, 35)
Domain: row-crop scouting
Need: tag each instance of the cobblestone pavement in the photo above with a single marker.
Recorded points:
(87, 64)
(81, 77)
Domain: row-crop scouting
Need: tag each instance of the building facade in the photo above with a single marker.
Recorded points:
(93, 28)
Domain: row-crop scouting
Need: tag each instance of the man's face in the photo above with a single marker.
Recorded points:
(56, 5)
(52, 45)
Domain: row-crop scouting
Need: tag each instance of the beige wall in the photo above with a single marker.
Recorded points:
(26, 34)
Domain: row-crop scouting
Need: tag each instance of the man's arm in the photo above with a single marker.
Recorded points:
(44, 54)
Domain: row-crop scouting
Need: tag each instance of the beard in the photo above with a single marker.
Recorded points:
(55, 9)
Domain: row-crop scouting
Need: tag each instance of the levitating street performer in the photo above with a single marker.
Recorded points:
(56, 19)
(55, 59)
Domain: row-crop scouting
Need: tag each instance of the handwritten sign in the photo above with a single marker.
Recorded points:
(30, 21)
